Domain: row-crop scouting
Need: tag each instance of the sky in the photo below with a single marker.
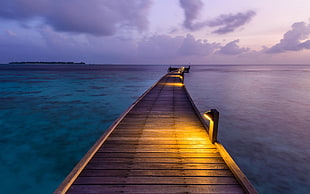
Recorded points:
(156, 31)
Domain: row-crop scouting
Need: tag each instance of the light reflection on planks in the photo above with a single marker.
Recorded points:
(160, 146)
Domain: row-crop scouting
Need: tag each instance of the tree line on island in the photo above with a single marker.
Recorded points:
(46, 62)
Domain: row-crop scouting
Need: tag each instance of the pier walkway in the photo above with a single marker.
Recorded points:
(159, 145)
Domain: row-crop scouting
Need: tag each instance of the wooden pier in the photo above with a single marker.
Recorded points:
(159, 145)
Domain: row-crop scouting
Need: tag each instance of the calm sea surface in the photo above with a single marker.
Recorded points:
(50, 115)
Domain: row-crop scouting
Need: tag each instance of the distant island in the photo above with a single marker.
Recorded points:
(46, 62)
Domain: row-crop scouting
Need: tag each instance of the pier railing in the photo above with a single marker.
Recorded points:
(213, 117)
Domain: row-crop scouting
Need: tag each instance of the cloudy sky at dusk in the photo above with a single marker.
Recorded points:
(156, 31)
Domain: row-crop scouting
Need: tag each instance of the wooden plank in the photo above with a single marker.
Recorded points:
(151, 189)
(154, 134)
(154, 154)
(163, 150)
(161, 160)
(181, 138)
(156, 143)
(160, 146)
(156, 180)
(153, 165)
(157, 173)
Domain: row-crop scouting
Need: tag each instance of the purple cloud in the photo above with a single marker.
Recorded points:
(14, 48)
(232, 48)
(226, 22)
(291, 40)
(230, 22)
(191, 9)
(96, 17)
(10, 33)
(191, 46)
(161, 48)
(56, 46)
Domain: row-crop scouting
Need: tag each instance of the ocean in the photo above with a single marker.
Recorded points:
(50, 115)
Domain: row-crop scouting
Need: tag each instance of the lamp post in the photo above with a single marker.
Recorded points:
(213, 117)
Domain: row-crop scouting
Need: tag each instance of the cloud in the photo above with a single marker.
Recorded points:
(191, 9)
(232, 48)
(292, 40)
(167, 49)
(96, 17)
(10, 33)
(19, 47)
(159, 46)
(230, 22)
(191, 46)
(226, 22)
(51, 45)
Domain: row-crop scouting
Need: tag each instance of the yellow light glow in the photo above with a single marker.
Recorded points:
(175, 76)
(174, 84)
(207, 117)
(194, 135)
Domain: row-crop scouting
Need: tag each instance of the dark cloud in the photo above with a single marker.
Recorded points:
(191, 11)
(191, 46)
(232, 48)
(161, 48)
(15, 48)
(56, 46)
(226, 22)
(97, 17)
(292, 40)
(230, 22)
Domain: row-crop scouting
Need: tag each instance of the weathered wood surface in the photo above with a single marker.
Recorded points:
(160, 146)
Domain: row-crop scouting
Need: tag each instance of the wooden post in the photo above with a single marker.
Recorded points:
(213, 117)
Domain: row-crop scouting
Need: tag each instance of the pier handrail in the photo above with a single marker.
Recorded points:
(213, 117)
(240, 176)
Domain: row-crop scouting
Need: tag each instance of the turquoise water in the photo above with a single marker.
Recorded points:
(51, 115)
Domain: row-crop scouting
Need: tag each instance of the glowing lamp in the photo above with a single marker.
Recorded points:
(213, 117)
(208, 115)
